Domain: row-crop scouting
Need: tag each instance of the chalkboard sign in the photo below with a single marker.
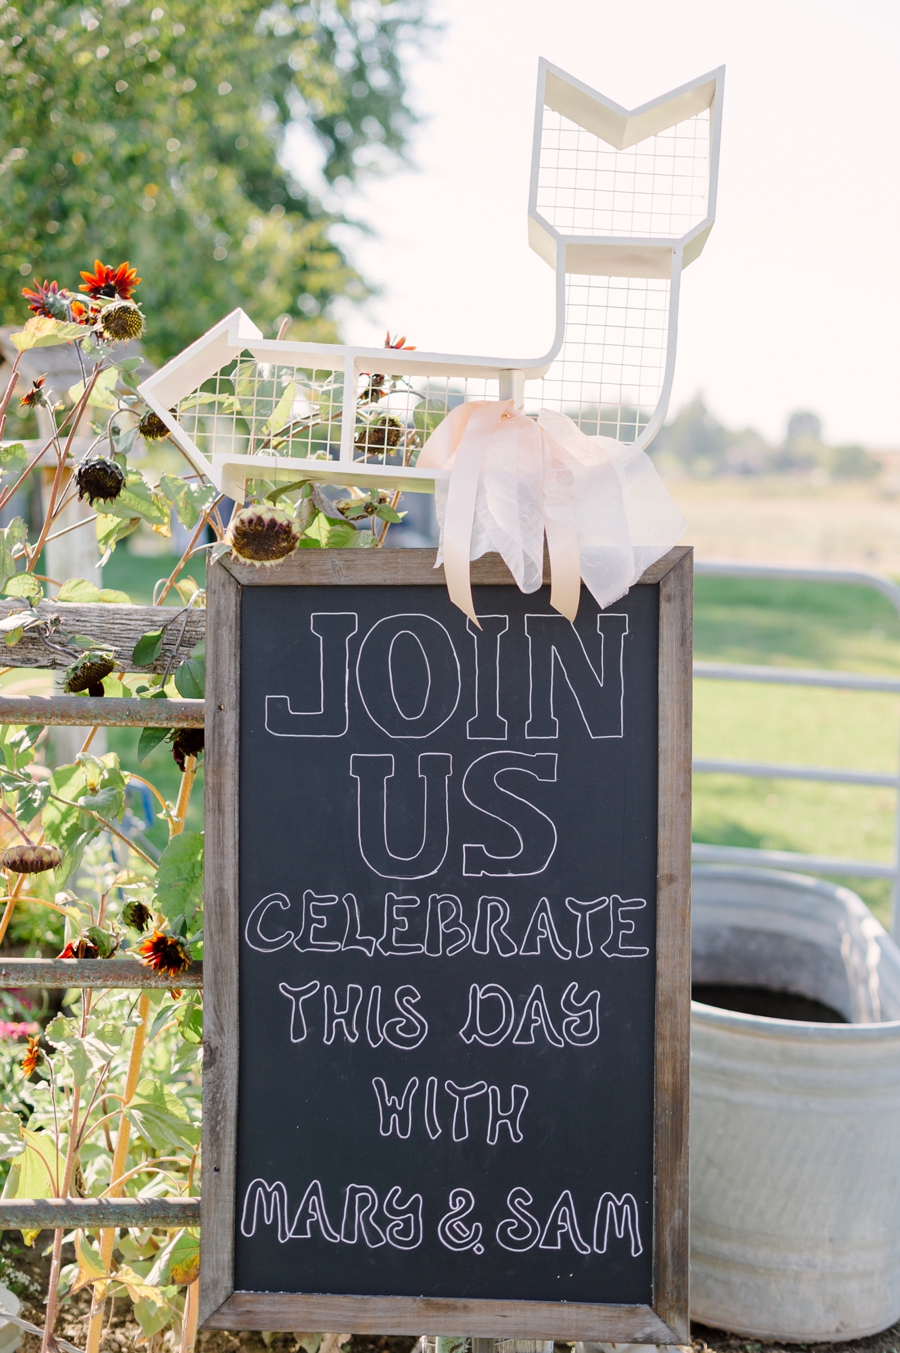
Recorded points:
(447, 953)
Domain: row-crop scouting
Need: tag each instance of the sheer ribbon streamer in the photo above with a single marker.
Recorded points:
(606, 513)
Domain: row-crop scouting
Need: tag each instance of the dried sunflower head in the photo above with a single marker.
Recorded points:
(88, 671)
(165, 953)
(262, 535)
(25, 859)
(380, 435)
(186, 742)
(136, 915)
(99, 478)
(152, 428)
(121, 321)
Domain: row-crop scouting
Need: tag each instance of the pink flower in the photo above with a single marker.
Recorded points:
(12, 1029)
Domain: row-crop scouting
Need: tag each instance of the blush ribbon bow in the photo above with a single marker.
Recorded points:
(606, 513)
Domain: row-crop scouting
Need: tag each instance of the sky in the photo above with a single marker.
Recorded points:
(794, 302)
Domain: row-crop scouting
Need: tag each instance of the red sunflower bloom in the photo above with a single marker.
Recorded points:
(32, 1055)
(82, 947)
(47, 300)
(399, 344)
(110, 282)
(35, 395)
(165, 953)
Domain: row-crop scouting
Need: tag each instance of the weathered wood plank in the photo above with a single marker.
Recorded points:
(375, 568)
(115, 627)
(478, 1318)
(673, 951)
(220, 1015)
(108, 711)
(31, 1213)
(111, 974)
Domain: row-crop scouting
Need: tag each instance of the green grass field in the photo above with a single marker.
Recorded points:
(736, 620)
(802, 625)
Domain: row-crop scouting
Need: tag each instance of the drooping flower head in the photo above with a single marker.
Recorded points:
(87, 672)
(29, 859)
(262, 535)
(137, 915)
(32, 1055)
(187, 742)
(121, 322)
(81, 947)
(36, 395)
(152, 428)
(165, 953)
(99, 478)
(47, 299)
(110, 282)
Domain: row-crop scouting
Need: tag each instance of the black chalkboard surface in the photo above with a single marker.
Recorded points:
(447, 964)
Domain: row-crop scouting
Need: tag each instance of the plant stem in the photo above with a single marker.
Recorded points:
(48, 1343)
(10, 819)
(120, 1158)
(13, 379)
(170, 581)
(89, 739)
(11, 906)
(190, 1316)
(184, 794)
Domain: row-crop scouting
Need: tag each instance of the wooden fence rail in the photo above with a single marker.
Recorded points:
(110, 626)
(109, 711)
(66, 974)
(33, 1213)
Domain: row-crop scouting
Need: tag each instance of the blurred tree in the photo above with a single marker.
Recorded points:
(156, 133)
(695, 439)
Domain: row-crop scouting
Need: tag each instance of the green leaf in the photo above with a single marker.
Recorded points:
(179, 1262)
(44, 332)
(12, 537)
(148, 648)
(23, 585)
(150, 738)
(189, 501)
(281, 412)
(13, 459)
(179, 880)
(190, 1020)
(11, 1143)
(333, 534)
(78, 589)
(160, 1117)
(190, 679)
(110, 530)
(113, 597)
(138, 499)
(101, 396)
(152, 1316)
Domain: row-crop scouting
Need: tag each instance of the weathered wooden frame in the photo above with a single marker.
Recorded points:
(221, 1307)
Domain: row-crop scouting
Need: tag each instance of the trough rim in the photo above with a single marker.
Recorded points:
(768, 1026)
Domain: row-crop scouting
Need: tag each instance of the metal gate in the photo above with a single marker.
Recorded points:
(797, 676)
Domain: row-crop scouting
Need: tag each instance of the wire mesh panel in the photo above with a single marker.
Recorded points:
(609, 373)
(655, 189)
(396, 414)
(256, 408)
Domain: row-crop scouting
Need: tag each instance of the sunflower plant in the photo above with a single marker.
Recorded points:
(102, 1092)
